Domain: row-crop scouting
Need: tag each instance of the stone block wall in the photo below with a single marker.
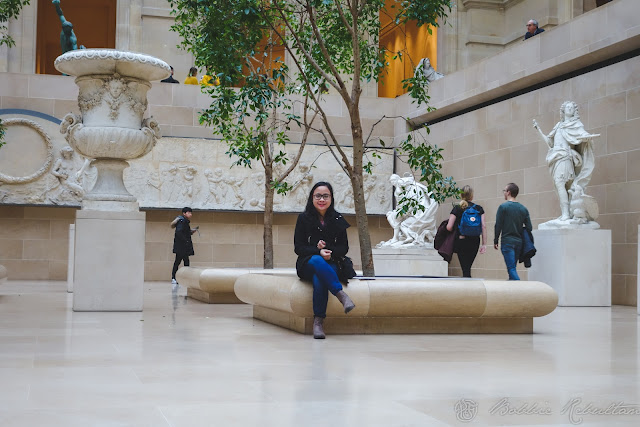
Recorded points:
(492, 146)
(34, 241)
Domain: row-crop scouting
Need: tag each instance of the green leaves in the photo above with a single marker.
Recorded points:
(425, 160)
(2, 131)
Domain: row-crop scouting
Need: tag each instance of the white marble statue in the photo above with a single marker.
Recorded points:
(571, 162)
(425, 69)
(411, 230)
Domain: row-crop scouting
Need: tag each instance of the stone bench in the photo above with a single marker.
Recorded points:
(402, 305)
(215, 285)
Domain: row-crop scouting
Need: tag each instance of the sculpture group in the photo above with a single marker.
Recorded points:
(411, 229)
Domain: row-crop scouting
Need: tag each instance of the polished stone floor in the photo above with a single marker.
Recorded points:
(182, 363)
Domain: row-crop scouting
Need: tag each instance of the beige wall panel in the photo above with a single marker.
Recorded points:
(622, 197)
(158, 251)
(46, 250)
(607, 110)
(623, 136)
(58, 270)
(488, 140)
(610, 169)
(633, 103)
(40, 105)
(27, 229)
(463, 147)
(524, 156)
(158, 40)
(632, 222)
(11, 248)
(615, 223)
(499, 114)
(21, 269)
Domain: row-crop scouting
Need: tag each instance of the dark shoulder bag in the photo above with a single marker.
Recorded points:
(345, 269)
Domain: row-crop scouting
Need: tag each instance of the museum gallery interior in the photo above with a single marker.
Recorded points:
(115, 152)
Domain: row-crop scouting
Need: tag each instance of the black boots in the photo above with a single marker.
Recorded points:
(318, 330)
(346, 301)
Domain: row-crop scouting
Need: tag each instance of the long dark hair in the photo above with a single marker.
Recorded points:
(310, 209)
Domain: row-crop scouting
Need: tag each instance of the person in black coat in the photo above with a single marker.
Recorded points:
(182, 244)
(467, 246)
(320, 241)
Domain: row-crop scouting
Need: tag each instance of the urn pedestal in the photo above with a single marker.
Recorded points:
(576, 263)
(109, 246)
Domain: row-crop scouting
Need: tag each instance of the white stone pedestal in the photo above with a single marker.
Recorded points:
(576, 263)
(409, 262)
(71, 257)
(109, 261)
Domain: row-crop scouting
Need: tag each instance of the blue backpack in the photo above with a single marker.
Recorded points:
(470, 222)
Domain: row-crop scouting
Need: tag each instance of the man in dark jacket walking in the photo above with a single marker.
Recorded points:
(182, 244)
(510, 219)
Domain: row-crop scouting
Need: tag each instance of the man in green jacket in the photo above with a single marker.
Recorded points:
(510, 219)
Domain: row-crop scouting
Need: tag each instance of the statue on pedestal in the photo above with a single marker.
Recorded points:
(411, 230)
(571, 161)
(68, 40)
(425, 69)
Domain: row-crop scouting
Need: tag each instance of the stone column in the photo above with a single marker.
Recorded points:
(71, 257)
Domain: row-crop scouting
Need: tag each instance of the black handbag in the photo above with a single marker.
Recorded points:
(345, 269)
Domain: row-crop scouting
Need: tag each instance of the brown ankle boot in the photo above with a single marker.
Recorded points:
(318, 330)
(346, 301)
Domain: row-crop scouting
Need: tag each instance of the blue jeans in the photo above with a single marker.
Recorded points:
(510, 252)
(325, 280)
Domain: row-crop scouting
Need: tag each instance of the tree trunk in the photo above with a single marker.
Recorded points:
(268, 219)
(362, 221)
(357, 180)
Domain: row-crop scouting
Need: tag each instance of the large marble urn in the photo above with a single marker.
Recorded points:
(111, 129)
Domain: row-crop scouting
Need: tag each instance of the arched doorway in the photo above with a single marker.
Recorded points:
(94, 24)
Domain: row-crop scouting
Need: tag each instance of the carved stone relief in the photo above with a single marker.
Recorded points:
(197, 173)
(48, 160)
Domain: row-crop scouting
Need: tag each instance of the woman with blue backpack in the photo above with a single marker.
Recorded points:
(467, 221)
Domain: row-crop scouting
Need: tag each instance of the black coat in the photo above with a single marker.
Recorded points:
(528, 249)
(309, 232)
(445, 241)
(182, 244)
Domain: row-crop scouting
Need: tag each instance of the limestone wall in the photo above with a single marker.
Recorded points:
(34, 241)
(478, 29)
(492, 146)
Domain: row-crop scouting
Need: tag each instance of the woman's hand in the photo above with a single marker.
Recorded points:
(483, 249)
(326, 254)
(322, 244)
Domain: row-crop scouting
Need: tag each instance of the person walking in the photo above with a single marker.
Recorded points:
(467, 221)
(182, 244)
(510, 219)
(321, 243)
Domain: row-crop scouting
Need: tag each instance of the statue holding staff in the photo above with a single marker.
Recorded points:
(571, 161)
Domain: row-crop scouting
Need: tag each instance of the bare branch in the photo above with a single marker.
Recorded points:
(343, 17)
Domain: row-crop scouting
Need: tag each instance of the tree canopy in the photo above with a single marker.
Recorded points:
(9, 9)
(328, 44)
